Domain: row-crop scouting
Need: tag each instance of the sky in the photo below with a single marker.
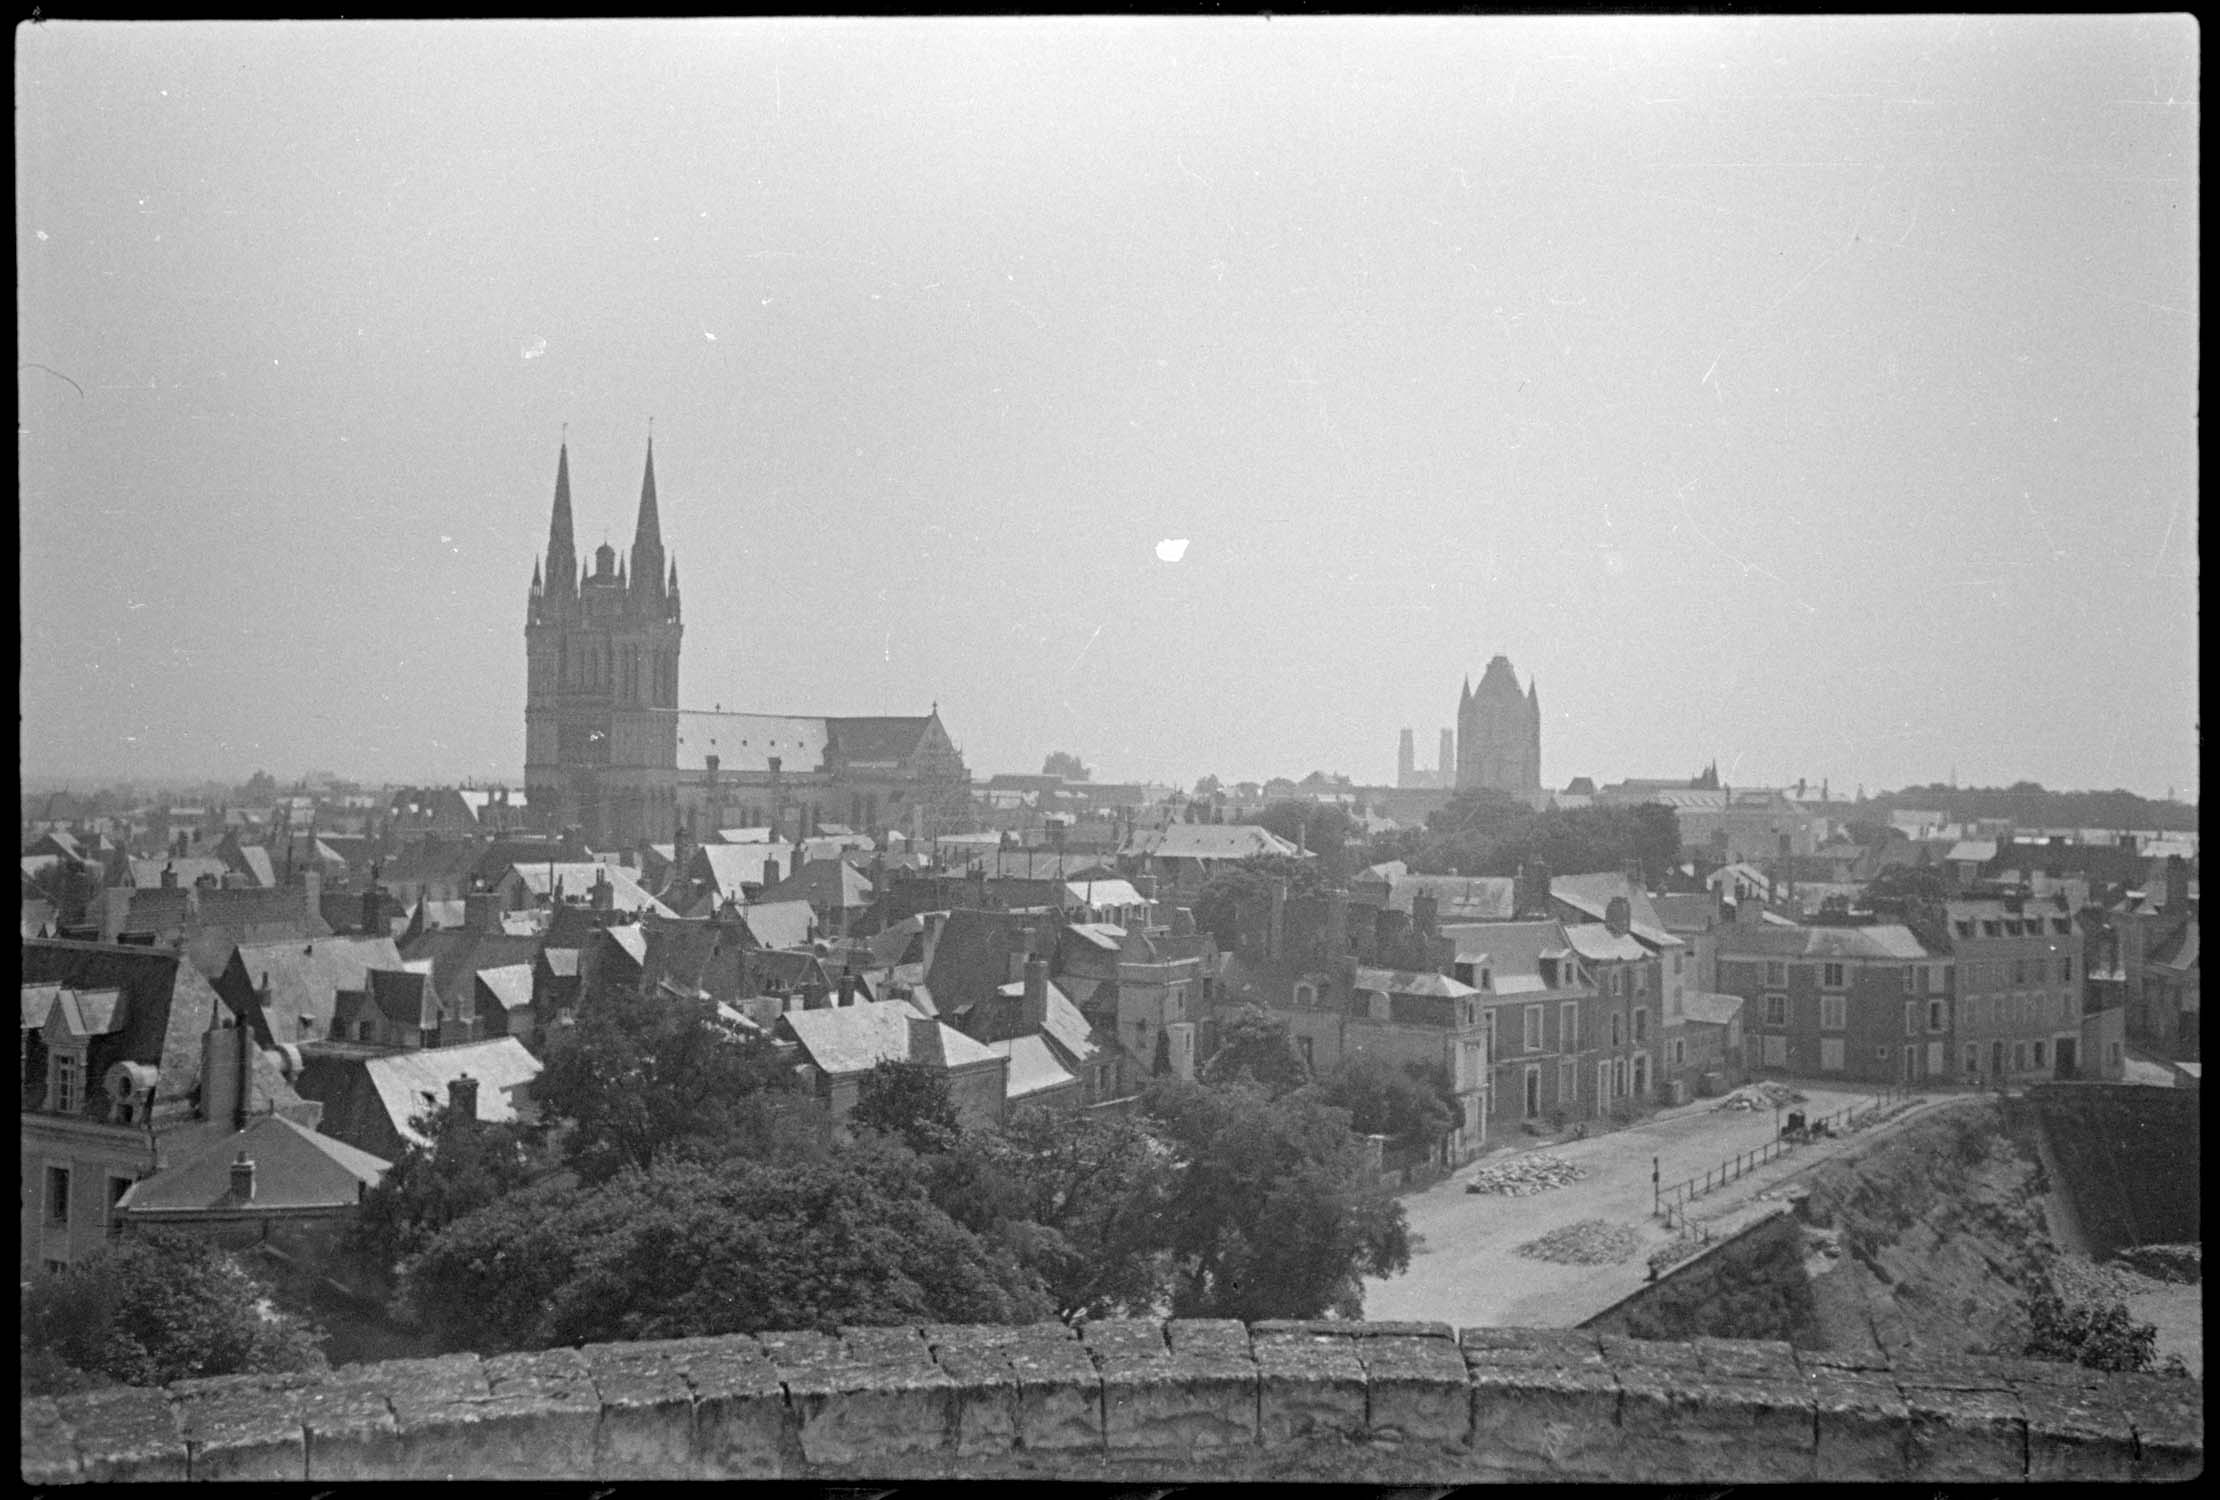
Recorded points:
(1816, 396)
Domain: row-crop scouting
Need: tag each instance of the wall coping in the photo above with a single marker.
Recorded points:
(1131, 1398)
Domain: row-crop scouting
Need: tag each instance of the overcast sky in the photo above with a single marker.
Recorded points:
(1815, 395)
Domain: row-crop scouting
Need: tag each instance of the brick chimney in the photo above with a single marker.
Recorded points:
(2177, 885)
(847, 988)
(1618, 915)
(462, 1096)
(169, 877)
(242, 1179)
(925, 1042)
(1425, 914)
(603, 895)
(481, 912)
(1033, 1014)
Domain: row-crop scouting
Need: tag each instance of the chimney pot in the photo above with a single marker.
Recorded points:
(242, 1178)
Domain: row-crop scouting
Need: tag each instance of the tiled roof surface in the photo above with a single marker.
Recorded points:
(510, 985)
(1710, 1009)
(823, 883)
(1598, 943)
(734, 866)
(877, 741)
(306, 977)
(1034, 1067)
(1412, 982)
(745, 743)
(853, 1038)
(779, 924)
(1207, 841)
(294, 1168)
(1458, 898)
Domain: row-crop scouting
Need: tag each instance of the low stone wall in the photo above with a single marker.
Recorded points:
(1747, 1285)
(1376, 1403)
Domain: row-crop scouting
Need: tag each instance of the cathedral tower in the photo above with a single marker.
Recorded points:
(1499, 733)
(601, 681)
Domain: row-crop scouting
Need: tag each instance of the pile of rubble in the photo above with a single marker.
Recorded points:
(1591, 1242)
(1759, 1096)
(1521, 1176)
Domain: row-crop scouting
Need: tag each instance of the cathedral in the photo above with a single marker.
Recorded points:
(608, 751)
(1499, 733)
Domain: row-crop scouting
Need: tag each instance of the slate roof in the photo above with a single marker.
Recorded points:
(1515, 951)
(1065, 1025)
(745, 743)
(305, 979)
(146, 874)
(371, 1094)
(1592, 894)
(1977, 851)
(1207, 841)
(578, 878)
(855, 1038)
(731, 867)
(1458, 898)
(166, 1005)
(457, 954)
(822, 883)
(2178, 950)
(1101, 893)
(1598, 943)
(1034, 1067)
(877, 741)
(1687, 911)
(294, 1168)
(1881, 941)
(1412, 982)
(508, 986)
(1709, 1009)
(779, 924)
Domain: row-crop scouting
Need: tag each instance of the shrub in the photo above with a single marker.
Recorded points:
(2102, 1336)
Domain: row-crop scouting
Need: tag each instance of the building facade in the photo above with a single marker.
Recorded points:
(609, 752)
(1872, 1004)
(1499, 734)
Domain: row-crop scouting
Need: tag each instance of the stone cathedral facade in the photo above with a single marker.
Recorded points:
(1499, 733)
(609, 752)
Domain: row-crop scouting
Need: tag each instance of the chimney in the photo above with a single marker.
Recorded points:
(1034, 1013)
(1146, 886)
(462, 1096)
(794, 865)
(814, 995)
(169, 877)
(2177, 885)
(847, 988)
(242, 1179)
(1275, 932)
(373, 911)
(481, 912)
(925, 1043)
(603, 895)
(1618, 915)
(771, 871)
(312, 892)
(1425, 913)
(221, 1055)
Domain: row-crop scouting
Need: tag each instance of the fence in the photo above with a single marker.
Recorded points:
(1667, 1201)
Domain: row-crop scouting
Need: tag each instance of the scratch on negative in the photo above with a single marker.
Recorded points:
(1680, 498)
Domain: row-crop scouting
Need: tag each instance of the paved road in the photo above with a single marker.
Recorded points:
(1465, 1270)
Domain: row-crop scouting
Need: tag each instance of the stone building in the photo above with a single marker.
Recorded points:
(1499, 733)
(609, 751)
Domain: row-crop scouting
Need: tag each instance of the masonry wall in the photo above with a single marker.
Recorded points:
(1376, 1403)
(1749, 1286)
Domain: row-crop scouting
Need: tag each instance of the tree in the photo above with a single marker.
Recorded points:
(1243, 890)
(1909, 883)
(2103, 1336)
(909, 1102)
(1209, 786)
(1067, 765)
(1254, 1046)
(1411, 1103)
(68, 887)
(645, 1076)
(692, 1249)
(154, 1309)
(467, 1164)
(1274, 1216)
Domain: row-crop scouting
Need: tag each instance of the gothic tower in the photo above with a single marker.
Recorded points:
(1406, 760)
(1499, 733)
(601, 683)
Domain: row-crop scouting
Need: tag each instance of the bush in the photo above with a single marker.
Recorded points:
(2102, 1336)
(152, 1310)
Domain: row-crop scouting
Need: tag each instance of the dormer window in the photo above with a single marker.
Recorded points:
(65, 1080)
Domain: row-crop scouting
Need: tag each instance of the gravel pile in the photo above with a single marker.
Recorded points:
(1759, 1096)
(1521, 1176)
(1591, 1242)
(2184, 1263)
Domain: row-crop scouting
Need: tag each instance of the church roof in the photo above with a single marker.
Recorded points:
(877, 741)
(746, 742)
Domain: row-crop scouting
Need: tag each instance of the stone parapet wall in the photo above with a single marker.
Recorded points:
(1376, 1403)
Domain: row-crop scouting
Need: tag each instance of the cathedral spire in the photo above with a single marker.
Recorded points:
(562, 550)
(647, 536)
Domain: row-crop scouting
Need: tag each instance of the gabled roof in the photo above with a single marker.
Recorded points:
(1515, 950)
(731, 867)
(305, 978)
(1687, 911)
(167, 1005)
(456, 954)
(579, 877)
(1457, 898)
(412, 1083)
(508, 986)
(877, 741)
(1412, 982)
(1207, 841)
(1593, 894)
(1975, 851)
(779, 924)
(1034, 1066)
(822, 883)
(745, 743)
(855, 1038)
(146, 874)
(1065, 1025)
(630, 937)
(1708, 1009)
(294, 1168)
(406, 997)
(1598, 943)
(1884, 941)
(1101, 893)
(2178, 950)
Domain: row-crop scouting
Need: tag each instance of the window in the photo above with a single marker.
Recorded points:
(66, 1081)
(1616, 1022)
(57, 1195)
(1989, 929)
(2038, 1054)
(1533, 1036)
(2019, 1057)
(1641, 1024)
(1935, 1017)
(1830, 1054)
(1488, 1021)
(2019, 971)
(1533, 1091)
(1776, 1052)
(1830, 976)
(1833, 1012)
(1911, 1018)
(1965, 929)
(1462, 973)
(1568, 1026)
(1776, 1010)
(1911, 979)
(2066, 969)
(1973, 1059)
(1680, 1051)
(1306, 995)
(1568, 1084)
(1776, 972)
(1618, 981)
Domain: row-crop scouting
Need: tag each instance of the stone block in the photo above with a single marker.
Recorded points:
(48, 1448)
(2075, 1433)
(517, 1416)
(1550, 1348)
(349, 1432)
(1418, 1389)
(1123, 1338)
(2168, 1417)
(647, 1413)
(1059, 1397)
(1765, 1360)
(1965, 1435)
(1539, 1421)
(1862, 1426)
(893, 1344)
(743, 1427)
(1177, 1403)
(1310, 1387)
(871, 1413)
(1218, 1336)
(1686, 1427)
(243, 1427)
(126, 1435)
(986, 1398)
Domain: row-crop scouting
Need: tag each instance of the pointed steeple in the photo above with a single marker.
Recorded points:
(647, 535)
(536, 584)
(562, 549)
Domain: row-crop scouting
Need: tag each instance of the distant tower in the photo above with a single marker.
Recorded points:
(1499, 733)
(601, 689)
(1445, 768)
(1406, 761)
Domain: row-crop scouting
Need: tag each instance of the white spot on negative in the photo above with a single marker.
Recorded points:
(1172, 549)
(535, 349)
